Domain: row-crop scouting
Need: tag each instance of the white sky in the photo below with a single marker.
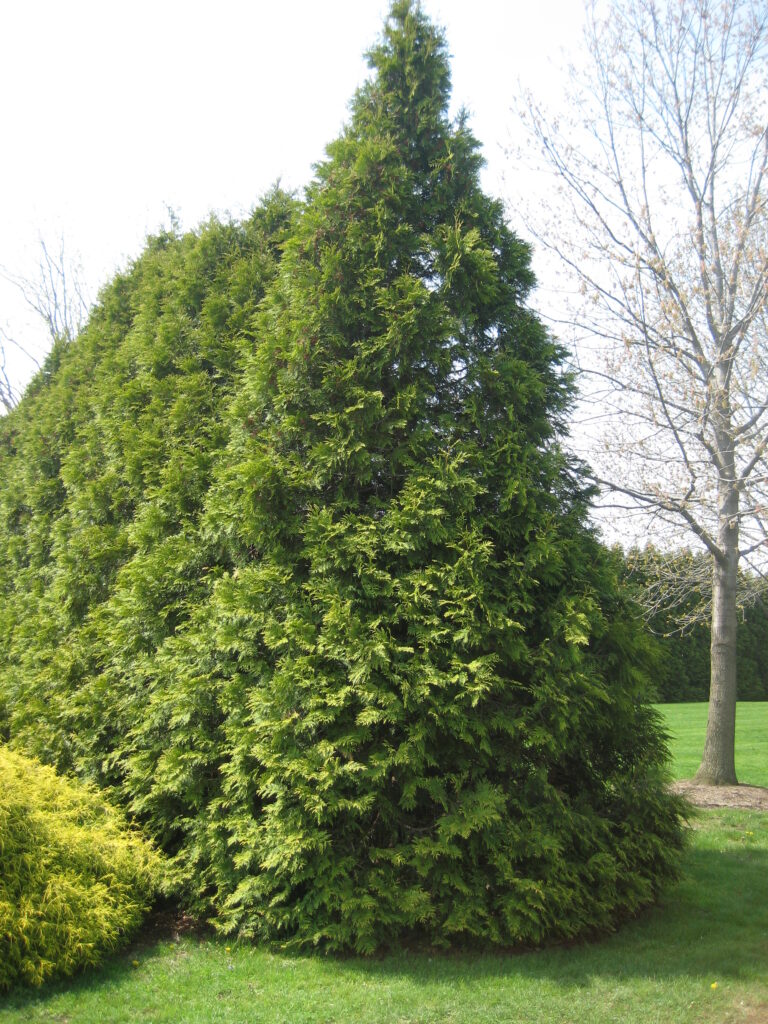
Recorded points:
(112, 112)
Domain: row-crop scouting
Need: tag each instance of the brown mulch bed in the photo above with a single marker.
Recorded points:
(168, 923)
(754, 798)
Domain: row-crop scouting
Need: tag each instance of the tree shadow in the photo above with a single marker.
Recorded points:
(712, 924)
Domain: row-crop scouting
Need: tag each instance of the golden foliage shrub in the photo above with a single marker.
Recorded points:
(75, 880)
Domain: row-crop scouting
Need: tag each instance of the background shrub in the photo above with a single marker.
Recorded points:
(75, 879)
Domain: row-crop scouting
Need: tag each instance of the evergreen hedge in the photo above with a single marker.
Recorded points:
(75, 881)
(307, 579)
(105, 467)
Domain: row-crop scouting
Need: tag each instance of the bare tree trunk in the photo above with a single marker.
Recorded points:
(718, 767)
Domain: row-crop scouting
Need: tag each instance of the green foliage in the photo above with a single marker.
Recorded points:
(416, 703)
(75, 881)
(105, 466)
(308, 580)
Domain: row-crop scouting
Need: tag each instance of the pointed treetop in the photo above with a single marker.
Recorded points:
(412, 65)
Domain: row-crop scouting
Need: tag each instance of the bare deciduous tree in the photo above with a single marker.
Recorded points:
(9, 392)
(55, 294)
(662, 170)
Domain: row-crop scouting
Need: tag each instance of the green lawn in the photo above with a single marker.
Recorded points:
(711, 928)
(687, 723)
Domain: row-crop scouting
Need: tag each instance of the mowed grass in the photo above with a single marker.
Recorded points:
(687, 723)
(700, 956)
(710, 929)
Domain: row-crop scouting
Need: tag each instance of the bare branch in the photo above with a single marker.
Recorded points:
(662, 226)
(57, 298)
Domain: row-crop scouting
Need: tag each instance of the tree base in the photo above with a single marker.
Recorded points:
(704, 777)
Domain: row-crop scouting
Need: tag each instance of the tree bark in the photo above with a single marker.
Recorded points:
(718, 766)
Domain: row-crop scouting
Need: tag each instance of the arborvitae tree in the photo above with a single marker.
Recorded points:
(417, 703)
(349, 651)
(104, 466)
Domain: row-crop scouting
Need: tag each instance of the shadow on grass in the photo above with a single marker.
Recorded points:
(714, 923)
(112, 974)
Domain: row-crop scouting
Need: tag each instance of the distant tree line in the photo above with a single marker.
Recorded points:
(680, 625)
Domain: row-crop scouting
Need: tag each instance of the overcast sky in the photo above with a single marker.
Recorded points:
(113, 112)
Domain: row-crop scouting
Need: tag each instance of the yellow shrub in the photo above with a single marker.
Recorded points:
(75, 880)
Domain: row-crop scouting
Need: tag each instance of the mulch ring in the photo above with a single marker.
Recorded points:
(753, 798)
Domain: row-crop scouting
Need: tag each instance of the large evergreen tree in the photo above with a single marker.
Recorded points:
(374, 677)
(429, 697)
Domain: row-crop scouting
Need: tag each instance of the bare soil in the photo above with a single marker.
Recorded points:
(749, 1014)
(753, 798)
